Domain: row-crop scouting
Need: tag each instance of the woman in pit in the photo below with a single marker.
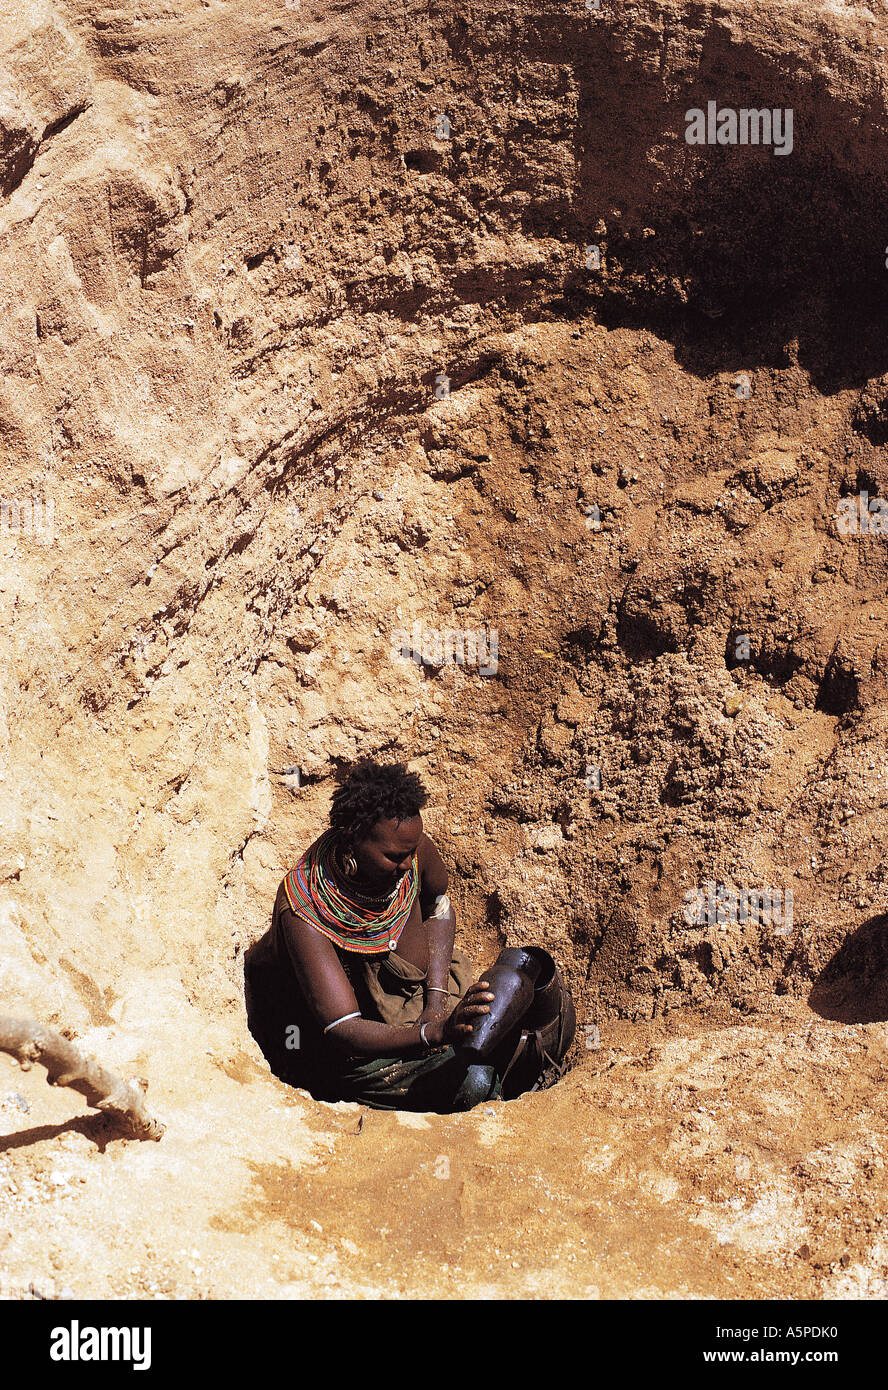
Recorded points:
(356, 991)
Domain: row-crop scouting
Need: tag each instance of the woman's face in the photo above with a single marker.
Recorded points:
(385, 855)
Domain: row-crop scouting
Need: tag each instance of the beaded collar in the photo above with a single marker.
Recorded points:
(315, 896)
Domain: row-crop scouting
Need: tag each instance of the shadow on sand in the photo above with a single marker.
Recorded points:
(853, 987)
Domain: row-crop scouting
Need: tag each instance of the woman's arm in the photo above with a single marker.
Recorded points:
(440, 929)
(330, 996)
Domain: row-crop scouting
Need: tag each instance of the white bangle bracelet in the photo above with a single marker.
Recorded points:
(336, 1022)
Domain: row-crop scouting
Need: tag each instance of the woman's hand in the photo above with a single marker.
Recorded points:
(475, 1002)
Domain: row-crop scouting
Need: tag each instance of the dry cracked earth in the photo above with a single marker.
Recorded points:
(321, 321)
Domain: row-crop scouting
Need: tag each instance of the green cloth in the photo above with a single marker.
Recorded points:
(420, 1083)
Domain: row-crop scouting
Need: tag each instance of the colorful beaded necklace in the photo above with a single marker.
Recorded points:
(314, 895)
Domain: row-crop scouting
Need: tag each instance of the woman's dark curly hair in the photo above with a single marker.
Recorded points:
(371, 792)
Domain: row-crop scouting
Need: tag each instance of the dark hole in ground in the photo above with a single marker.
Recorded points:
(838, 690)
(641, 639)
(423, 161)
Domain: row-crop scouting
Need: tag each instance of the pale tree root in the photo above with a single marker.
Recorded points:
(29, 1041)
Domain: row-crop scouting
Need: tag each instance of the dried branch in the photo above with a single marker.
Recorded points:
(29, 1041)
